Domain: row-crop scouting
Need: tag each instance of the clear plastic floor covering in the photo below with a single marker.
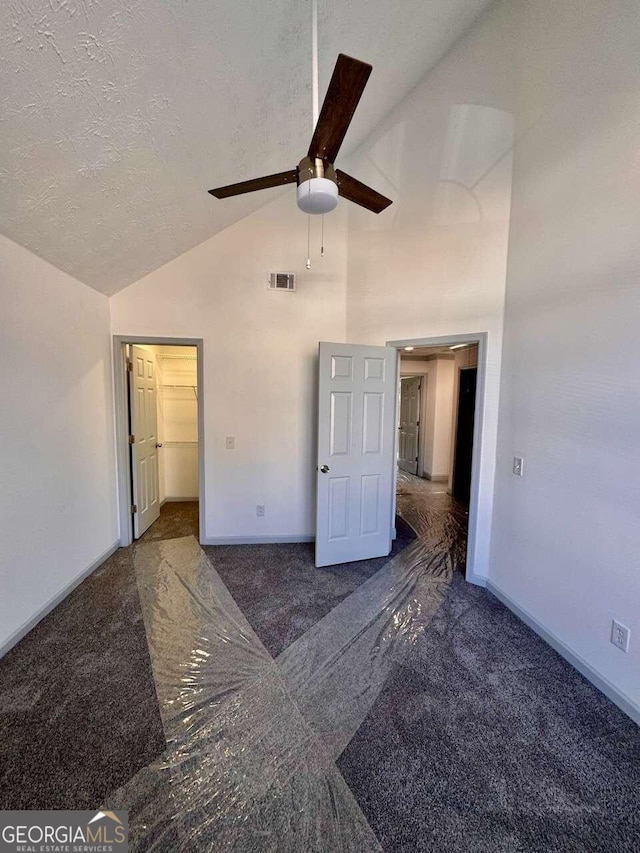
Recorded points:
(252, 741)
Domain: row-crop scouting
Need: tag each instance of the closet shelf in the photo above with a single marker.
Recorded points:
(177, 356)
(165, 385)
(193, 388)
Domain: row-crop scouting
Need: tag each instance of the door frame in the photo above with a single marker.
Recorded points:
(121, 406)
(478, 432)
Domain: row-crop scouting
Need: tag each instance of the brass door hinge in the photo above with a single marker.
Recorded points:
(132, 439)
(129, 366)
(134, 509)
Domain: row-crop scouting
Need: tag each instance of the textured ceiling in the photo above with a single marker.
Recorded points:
(116, 116)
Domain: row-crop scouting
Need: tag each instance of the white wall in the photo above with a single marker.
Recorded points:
(434, 263)
(441, 459)
(566, 537)
(57, 502)
(260, 359)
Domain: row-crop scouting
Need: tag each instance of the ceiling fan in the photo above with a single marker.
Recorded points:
(319, 182)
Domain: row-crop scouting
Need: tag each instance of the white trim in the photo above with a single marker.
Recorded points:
(604, 685)
(122, 429)
(258, 540)
(57, 598)
(178, 500)
(396, 445)
(478, 431)
(476, 580)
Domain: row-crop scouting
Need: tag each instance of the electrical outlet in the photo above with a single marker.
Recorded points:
(518, 466)
(230, 442)
(260, 510)
(620, 635)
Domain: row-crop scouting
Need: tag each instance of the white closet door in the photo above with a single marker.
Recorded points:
(144, 428)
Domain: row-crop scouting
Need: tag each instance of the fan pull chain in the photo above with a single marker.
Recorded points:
(308, 241)
(322, 238)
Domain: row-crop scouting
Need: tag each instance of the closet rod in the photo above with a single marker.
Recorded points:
(168, 385)
(177, 356)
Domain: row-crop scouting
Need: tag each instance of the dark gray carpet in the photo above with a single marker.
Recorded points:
(486, 740)
(279, 589)
(78, 708)
(482, 740)
(177, 518)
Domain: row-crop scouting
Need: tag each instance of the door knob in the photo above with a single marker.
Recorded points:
(324, 469)
(159, 445)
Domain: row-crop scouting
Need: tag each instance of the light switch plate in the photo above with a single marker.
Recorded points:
(230, 443)
(518, 466)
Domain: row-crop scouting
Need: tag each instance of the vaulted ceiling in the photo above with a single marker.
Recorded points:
(116, 116)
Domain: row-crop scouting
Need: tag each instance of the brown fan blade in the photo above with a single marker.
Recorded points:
(345, 90)
(256, 184)
(360, 193)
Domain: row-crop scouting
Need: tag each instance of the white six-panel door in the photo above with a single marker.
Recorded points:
(144, 428)
(356, 447)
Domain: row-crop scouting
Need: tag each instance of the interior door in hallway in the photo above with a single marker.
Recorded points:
(144, 429)
(409, 426)
(356, 451)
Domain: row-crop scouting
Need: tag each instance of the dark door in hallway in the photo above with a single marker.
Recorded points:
(464, 434)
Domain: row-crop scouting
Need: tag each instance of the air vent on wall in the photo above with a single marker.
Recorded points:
(282, 281)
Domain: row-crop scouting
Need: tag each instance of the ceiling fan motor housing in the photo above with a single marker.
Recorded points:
(317, 187)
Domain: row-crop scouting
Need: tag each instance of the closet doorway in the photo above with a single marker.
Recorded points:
(160, 448)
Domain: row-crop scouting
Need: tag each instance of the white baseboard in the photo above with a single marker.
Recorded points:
(604, 685)
(53, 602)
(257, 540)
(180, 500)
(476, 580)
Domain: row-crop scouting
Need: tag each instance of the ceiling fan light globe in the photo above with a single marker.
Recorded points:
(317, 195)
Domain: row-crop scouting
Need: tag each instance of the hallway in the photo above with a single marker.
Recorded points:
(424, 503)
